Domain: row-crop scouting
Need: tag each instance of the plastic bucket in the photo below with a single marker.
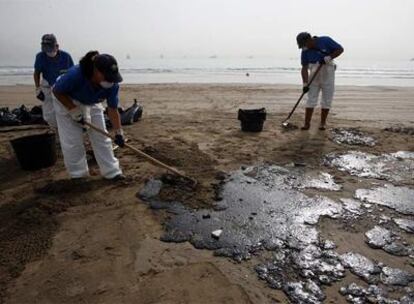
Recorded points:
(35, 152)
(252, 120)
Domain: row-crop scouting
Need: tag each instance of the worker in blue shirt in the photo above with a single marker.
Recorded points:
(316, 51)
(50, 63)
(79, 95)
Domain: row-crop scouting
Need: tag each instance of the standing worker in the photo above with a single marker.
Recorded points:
(50, 63)
(316, 51)
(80, 93)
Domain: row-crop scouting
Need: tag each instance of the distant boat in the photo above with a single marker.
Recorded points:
(213, 57)
(250, 57)
(412, 59)
(128, 56)
(161, 56)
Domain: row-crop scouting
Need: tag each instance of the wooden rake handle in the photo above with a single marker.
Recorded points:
(149, 158)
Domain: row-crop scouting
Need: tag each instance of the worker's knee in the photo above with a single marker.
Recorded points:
(312, 101)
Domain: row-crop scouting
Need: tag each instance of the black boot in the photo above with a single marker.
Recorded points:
(324, 115)
(308, 118)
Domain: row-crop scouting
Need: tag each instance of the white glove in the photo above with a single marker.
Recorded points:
(327, 59)
(76, 115)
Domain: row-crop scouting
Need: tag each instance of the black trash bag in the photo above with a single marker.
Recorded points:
(37, 115)
(32, 117)
(8, 119)
(128, 116)
(36, 110)
(132, 114)
(22, 114)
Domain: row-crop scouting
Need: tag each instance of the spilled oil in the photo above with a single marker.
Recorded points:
(379, 237)
(396, 167)
(394, 276)
(400, 130)
(361, 266)
(405, 224)
(352, 136)
(399, 198)
(262, 211)
(357, 294)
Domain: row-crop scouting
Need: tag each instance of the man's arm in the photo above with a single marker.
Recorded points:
(336, 53)
(115, 118)
(305, 74)
(36, 78)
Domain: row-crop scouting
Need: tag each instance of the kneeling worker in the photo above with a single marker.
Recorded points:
(316, 51)
(80, 93)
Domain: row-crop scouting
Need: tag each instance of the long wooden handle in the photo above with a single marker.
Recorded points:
(303, 94)
(139, 152)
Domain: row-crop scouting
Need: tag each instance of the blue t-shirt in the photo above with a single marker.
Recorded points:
(324, 46)
(52, 68)
(74, 84)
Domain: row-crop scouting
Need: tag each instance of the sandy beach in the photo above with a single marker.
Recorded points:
(97, 242)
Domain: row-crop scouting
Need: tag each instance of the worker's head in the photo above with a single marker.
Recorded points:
(49, 45)
(100, 69)
(305, 40)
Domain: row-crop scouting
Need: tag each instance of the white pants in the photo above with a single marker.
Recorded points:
(47, 106)
(325, 82)
(71, 141)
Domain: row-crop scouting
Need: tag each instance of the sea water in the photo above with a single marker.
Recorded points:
(248, 70)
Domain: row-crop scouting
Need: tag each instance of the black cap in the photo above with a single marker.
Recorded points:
(108, 66)
(48, 42)
(302, 38)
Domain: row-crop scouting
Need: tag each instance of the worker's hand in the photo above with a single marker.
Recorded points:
(76, 115)
(119, 138)
(305, 88)
(39, 94)
(327, 59)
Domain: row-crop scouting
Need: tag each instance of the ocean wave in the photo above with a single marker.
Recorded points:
(346, 72)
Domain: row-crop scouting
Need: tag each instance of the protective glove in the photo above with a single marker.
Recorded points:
(76, 115)
(327, 59)
(39, 94)
(305, 88)
(119, 138)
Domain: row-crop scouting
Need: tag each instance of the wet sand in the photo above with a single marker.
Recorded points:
(98, 243)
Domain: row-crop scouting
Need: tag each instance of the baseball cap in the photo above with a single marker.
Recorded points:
(48, 42)
(108, 66)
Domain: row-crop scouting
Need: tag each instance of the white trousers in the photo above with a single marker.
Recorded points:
(47, 105)
(71, 140)
(325, 82)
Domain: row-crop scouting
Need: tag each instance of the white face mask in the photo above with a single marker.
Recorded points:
(106, 84)
(51, 54)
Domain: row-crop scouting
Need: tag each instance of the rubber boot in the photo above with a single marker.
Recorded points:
(324, 115)
(308, 118)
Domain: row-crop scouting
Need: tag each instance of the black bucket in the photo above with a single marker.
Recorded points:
(35, 152)
(252, 120)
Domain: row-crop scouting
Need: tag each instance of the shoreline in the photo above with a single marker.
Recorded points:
(371, 105)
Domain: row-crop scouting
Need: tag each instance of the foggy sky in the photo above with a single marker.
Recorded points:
(371, 29)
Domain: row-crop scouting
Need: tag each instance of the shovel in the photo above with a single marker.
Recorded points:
(285, 123)
(145, 155)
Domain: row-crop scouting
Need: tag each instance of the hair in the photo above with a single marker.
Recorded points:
(87, 63)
